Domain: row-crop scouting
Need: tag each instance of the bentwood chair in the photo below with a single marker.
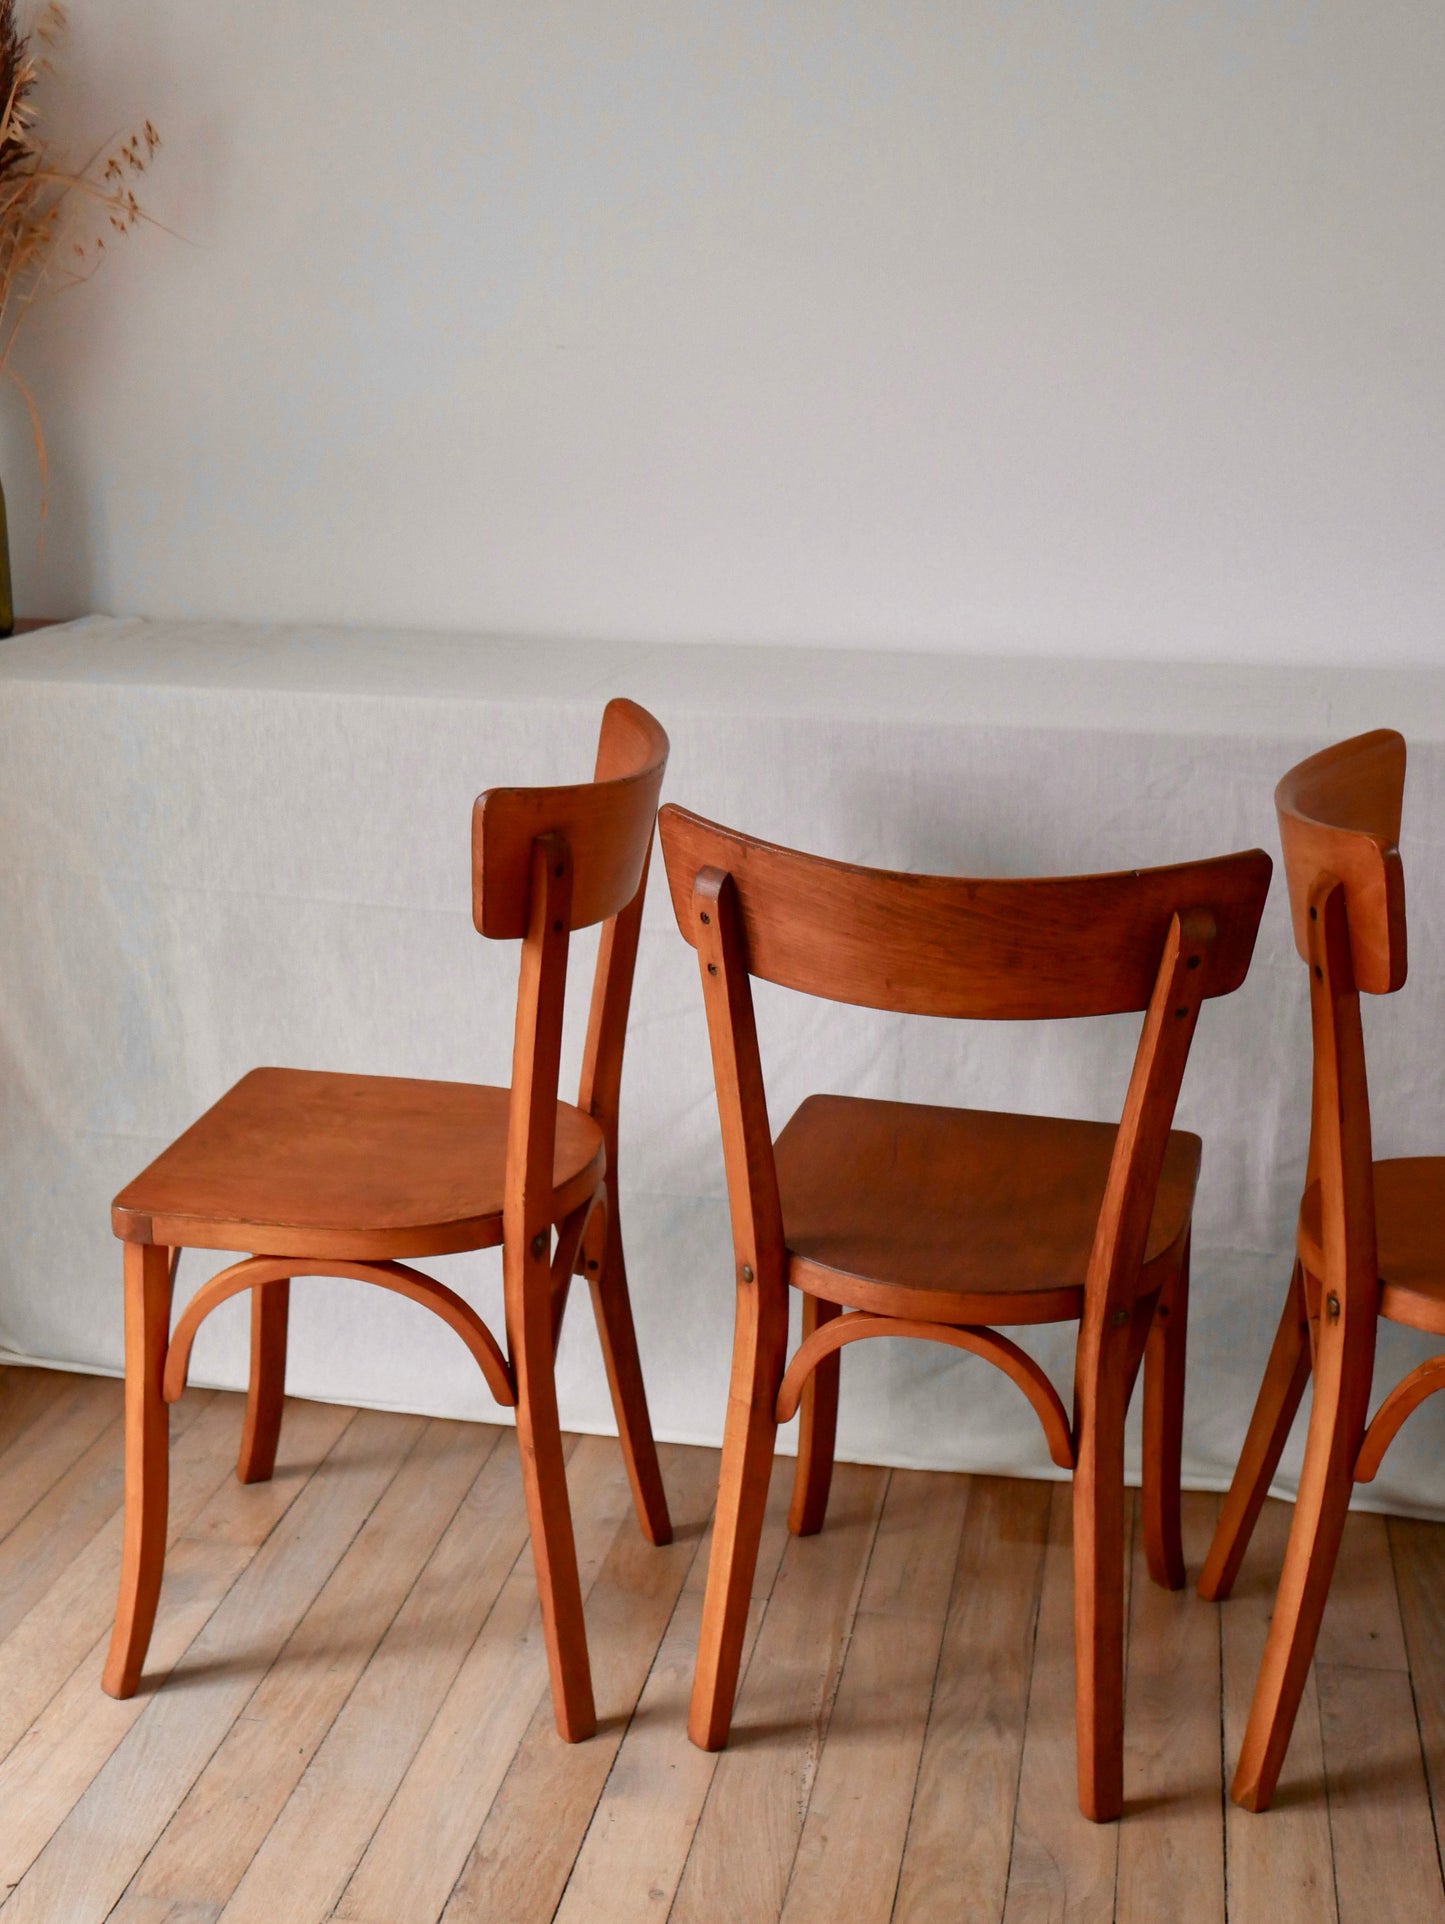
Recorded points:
(894, 1219)
(354, 1176)
(1370, 1241)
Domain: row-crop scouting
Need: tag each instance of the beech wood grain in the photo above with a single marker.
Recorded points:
(332, 1174)
(938, 1223)
(1370, 1240)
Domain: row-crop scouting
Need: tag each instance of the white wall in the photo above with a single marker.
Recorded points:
(1049, 326)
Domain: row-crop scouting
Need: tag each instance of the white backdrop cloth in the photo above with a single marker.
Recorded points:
(223, 846)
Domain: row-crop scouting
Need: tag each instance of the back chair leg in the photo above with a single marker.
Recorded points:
(612, 1307)
(266, 1390)
(817, 1430)
(549, 1514)
(747, 1462)
(1099, 1586)
(1164, 1357)
(147, 1467)
(1285, 1376)
(1337, 1427)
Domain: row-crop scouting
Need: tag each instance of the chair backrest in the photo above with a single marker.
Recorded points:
(1339, 821)
(1028, 948)
(546, 861)
(1339, 814)
(1159, 940)
(606, 823)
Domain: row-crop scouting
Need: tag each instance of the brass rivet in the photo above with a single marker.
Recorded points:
(712, 968)
(1332, 1304)
(592, 1262)
(706, 920)
(539, 1243)
(747, 1272)
(1314, 915)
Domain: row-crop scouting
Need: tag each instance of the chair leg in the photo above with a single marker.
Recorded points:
(1164, 1357)
(147, 1468)
(749, 1434)
(612, 1308)
(1337, 1426)
(549, 1514)
(1285, 1376)
(817, 1430)
(266, 1390)
(1099, 1583)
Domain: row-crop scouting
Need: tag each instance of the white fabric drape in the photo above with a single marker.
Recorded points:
(223, 846)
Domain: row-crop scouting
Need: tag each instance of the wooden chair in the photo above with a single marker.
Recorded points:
(352, 1176)
(1371, 1235)
(894, 1219)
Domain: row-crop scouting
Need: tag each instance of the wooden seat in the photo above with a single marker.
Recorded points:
(1409, 1236)
(345, 1175)
(1371, 1235)
(295, 1162)
(956, 1215)
(900, 1220)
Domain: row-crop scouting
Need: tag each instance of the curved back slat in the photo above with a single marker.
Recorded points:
(1339, 814)
(606, 824)
(1028, 949)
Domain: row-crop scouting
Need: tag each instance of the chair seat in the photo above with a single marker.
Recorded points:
(1409, 1237)
(956, 1215)
(296, 1162)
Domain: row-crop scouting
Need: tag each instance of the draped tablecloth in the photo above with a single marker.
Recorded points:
(222, 846)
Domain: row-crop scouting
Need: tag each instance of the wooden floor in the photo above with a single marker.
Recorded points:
(346, 1716)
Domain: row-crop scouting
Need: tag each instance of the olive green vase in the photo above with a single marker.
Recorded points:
(7, 606)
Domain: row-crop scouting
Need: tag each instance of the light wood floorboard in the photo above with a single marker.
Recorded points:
(345, 1711)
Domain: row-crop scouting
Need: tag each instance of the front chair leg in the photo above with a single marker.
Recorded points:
(1285, 1376)
(612, 1307)
(1164, 1357)
(749, 1434)
(147, 1469)
(817, 1430)
(265, 1392)
(1099, 1585)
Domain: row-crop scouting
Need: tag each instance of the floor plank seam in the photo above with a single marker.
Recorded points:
(1027, 1698)
(932, 1698)
(742, 1680)
(396, 1789)
(825, 1711)
(679, 1605)
(158, 1685)
(1430, 1786)
(149, 1830)
(260, 1680)
(521, 1741)
(356, 1680)
(1325, 1792)
(25, 1428)
(116, 1424)
(1223, 1751)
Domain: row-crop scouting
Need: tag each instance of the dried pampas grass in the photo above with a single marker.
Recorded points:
(54, 222)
